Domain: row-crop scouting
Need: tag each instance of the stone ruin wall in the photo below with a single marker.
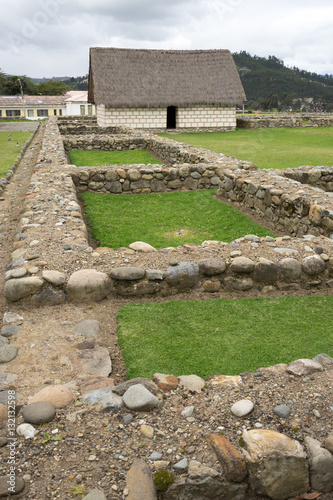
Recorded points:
(286, 120)
(301, 260)
(51, 209)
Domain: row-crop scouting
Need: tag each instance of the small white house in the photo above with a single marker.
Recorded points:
(164, 88)
(76, 102)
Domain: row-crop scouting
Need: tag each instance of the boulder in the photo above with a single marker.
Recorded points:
(206, 488)
(197, 470)
(16, 289)
(291, 268)
(242, 408)
(128, 273)
(55, 277)
(39, 412)
(165, 382)
(192, 383)
(87, 328)
(276, 464)
(51, 297)
(15, 483)
(265, 271)
(8, 352)
(142, 288)
(141, 246)
(88, 285)
(240, 284)
(146, 382)
(224, 380)
(105, 398)
(182, 276)
(242, 265)
(323, 359)
(140, 483)
(210, 267)
(57, 395)
(302, 367)
(313, 265)
(94, 382)
(95, 494)
(94, 361)
(232, 462)
(321, 466)
(138, 398)
(10, 318)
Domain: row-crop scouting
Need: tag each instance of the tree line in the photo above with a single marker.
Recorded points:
(269, 84)
(11, 85)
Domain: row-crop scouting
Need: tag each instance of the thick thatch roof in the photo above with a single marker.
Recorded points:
(135, 77)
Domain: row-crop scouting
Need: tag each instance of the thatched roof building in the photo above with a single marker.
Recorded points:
(137, 77)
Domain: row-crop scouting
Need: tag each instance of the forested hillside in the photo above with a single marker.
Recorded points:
(269, 77)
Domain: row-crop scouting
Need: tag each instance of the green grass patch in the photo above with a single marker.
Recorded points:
(165, 219)
(223, 336)
(268, 148)
(9, 149)
(83, 158)
(7, 120)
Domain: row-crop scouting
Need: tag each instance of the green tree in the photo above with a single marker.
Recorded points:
(10, 85)
(271, 101)
(53, 87)
(2, 79)
(286, 102)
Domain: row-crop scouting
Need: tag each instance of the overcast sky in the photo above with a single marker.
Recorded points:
(45, 38)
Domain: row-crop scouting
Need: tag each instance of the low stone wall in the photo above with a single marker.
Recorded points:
(320, 177)
(52, 260)
(287, 120)
(4, 181)
(165, 149)
(298, 209)
(133, 179)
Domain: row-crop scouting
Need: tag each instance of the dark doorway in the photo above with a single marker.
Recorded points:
(171, 117)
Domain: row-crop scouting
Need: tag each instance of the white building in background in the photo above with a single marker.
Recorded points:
(173, 89)
(74, 102)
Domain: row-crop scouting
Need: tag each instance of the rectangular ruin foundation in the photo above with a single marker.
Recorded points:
(62, 266)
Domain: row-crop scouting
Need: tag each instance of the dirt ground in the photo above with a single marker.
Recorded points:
(96, 449)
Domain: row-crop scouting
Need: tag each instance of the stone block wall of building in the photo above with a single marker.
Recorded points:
(194, 117)
(207, 116)
(132, 117)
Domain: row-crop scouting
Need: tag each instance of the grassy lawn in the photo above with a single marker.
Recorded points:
(228, 337)
(165, 219)
(82, 158)
(9, 150)
(269, 148)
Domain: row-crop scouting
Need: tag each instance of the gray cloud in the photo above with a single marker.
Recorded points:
(52, 37)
